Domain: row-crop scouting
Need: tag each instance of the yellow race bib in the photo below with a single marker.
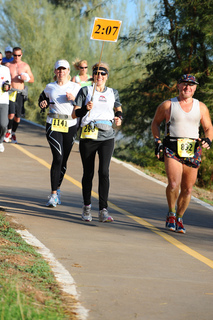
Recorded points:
(88, 133)
(12, 96)
(59, 125)
(186, 148)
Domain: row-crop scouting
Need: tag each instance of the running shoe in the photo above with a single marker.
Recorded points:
(59, 196)
(179, 226)
(170, 221)
(53, 201)
(1, 147)
(86, 214)
(104, 216)
(7, 136)
(13, 139)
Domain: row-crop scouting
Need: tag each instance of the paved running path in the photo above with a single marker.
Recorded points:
(129, 269)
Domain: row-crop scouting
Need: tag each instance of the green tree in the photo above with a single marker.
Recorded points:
(178, 40)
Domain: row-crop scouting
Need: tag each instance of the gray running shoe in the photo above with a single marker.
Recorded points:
(104, 216)
(59, 195)
(86, 214)
(53, 201)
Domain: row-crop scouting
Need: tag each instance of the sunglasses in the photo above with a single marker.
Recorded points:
(0, 59)
(83, 67)
(17, 55)
(188, 84)
(102, 73)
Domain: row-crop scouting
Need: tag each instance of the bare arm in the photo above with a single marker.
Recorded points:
(162, 112)
(206, 124)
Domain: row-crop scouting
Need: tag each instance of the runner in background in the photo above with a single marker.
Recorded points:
(20, 73)
(97, 136)
(82, 78)
(5, 81)
(181, 146)
(61, 128)
(8, 55)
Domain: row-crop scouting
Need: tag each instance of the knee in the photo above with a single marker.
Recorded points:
(186, 191)
(103, 174)
(173, 185)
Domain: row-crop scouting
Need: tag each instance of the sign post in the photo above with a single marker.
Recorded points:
(105, 30)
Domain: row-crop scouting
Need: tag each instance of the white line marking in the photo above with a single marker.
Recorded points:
(137, 171)
(62, 275)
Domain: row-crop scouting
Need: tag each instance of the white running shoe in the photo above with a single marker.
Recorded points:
(104, 216)
(86, 214)
(53, 201)
(7, 136)
(1, 147)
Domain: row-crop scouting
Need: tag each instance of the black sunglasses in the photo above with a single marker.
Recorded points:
(102, 73)
(83, 67)
(17, 55)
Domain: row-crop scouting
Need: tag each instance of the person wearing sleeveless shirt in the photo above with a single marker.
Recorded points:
(95, 106)
(82, 78)
(182, 147)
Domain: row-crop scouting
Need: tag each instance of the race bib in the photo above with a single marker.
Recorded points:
(12, 96)
(88, 133)
(186, 148)
(59, 125)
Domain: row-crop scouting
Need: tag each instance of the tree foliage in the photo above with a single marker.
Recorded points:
(52, 30)
(178, 40)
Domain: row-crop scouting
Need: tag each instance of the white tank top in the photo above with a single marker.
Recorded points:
(103, 105)
(183, 124)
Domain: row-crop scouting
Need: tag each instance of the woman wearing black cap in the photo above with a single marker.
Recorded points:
(95, 106)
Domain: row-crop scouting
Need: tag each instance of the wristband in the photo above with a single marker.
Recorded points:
(80, 113)
(26, 75)
(119, 114)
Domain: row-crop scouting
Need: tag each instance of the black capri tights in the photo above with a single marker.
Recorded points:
(88, 149)
(61, 145)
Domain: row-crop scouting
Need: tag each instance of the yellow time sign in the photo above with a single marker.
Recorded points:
(106, 29)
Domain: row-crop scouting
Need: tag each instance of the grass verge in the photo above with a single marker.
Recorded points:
(28, 289)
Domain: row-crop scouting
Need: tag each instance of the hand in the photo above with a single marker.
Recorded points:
(70, 96)
(89, 105)
(117, 121)
(159, 149)
(206, 143)
(43, 104)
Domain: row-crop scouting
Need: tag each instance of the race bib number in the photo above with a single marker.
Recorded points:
(88, 133)
(186, 148)
(59, 125)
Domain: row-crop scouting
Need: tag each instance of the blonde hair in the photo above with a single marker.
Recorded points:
(101, 64)
(77, 63)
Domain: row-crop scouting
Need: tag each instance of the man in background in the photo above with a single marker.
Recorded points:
(20, 73)
(8, 55)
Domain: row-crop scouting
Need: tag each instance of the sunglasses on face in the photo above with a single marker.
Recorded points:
(0, 59)
(188, 84)
(17, 55)
(83, 67)
(102, 73)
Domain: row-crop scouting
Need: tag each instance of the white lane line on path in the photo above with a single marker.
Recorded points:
(137, 171)
(62, 275)
(141, 221)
